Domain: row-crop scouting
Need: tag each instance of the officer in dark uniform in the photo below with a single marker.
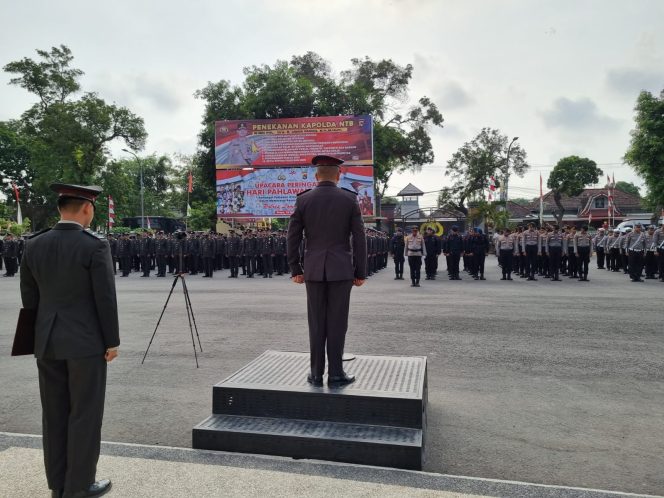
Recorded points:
(67, 278)
(233, 250)
(10, 255)
(267, 251)
(193, 253)
(146, 250)
(280, 253)
(113, 244)
(432, 244)
(332, 220)
(207, 253)
(454, 248)
(249, 253)
(397, 245)
(161, 250)
(2, 244)
(124, 254)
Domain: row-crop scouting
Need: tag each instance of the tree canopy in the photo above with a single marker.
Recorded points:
(60, 137)
(305, 86)
(569, 177)
(471, 167)
(628, 187)
(646, 151)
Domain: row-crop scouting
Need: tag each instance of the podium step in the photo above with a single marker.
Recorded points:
(399, 447)
(389, 391)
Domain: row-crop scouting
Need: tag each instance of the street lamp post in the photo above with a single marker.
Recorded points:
(507, 170)
(140, 167)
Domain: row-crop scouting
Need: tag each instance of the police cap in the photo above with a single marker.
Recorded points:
(67, 191)
(326, 161)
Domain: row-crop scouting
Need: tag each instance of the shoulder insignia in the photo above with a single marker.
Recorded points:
(349, 190)
(38, 233)
(94, 236)
(304, 192)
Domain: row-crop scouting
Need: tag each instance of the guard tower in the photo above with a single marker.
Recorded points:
(410, 199)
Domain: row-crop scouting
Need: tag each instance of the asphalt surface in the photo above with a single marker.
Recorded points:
(556, 383)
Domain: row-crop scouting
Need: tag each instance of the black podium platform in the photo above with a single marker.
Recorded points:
(268, 407)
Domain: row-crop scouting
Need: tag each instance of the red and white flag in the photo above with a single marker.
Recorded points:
(19, 215)
(111, 212)
(149, 227)
(590, 218)
(190, 187)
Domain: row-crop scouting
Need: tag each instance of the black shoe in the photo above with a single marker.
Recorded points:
(96, 489)
(315, 380)
(270, 276)
(265, 276)
(339, 381)
(482, 278)
(504, 278)
(57, 493)
(416, 285)
(397, 278)
(510, 278)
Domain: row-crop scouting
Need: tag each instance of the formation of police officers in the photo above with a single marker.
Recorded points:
(551, 252)
(529, 252)
(526, 252)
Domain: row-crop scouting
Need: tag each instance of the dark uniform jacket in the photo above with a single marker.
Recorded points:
(329, 215)
(67, 276)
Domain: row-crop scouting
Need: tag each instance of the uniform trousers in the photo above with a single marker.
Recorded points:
(616, 260)
(651, 264)
(660, 263)
(453, 263)
(327, 315)
(478, 262)
(555, 255)
(415, 265)
(531, 260)
(145, 265)
(125, 265)
(250, 263)
(10, 266)
(72, 397)
(506, 259)
(635, 264)
(600, 258)
(583, 261)
(161, 264)
(208, 266)
(280, 264)
(267, 264)
(430, 265)
(233, 264)
(571, 263)
(398, 266)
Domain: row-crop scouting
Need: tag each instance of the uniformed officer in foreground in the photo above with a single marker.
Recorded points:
(331, 218)
(67, 278)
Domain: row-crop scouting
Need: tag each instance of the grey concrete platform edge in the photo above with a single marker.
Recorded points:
(420, 480)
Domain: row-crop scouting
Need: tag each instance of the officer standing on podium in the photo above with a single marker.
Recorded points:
(335, 259)
(67, 279)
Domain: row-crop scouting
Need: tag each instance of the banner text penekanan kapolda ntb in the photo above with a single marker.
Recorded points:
(270, 143)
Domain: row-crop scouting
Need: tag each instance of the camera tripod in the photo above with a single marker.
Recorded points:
(179, 276)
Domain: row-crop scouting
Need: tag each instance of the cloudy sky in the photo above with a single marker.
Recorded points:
(562, 75)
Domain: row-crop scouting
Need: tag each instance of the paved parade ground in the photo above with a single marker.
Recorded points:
(557, 383)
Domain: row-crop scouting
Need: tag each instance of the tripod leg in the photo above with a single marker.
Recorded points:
(189, 314)
(191, 309)
(160, 317)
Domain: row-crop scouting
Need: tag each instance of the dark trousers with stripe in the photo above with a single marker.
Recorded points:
(72, 398)
(327, 314)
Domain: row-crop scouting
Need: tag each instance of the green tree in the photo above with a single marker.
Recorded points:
(305, 86)
(471, 167)
(628, 187)
(65, 139)
(569, 177)
(646, 150)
